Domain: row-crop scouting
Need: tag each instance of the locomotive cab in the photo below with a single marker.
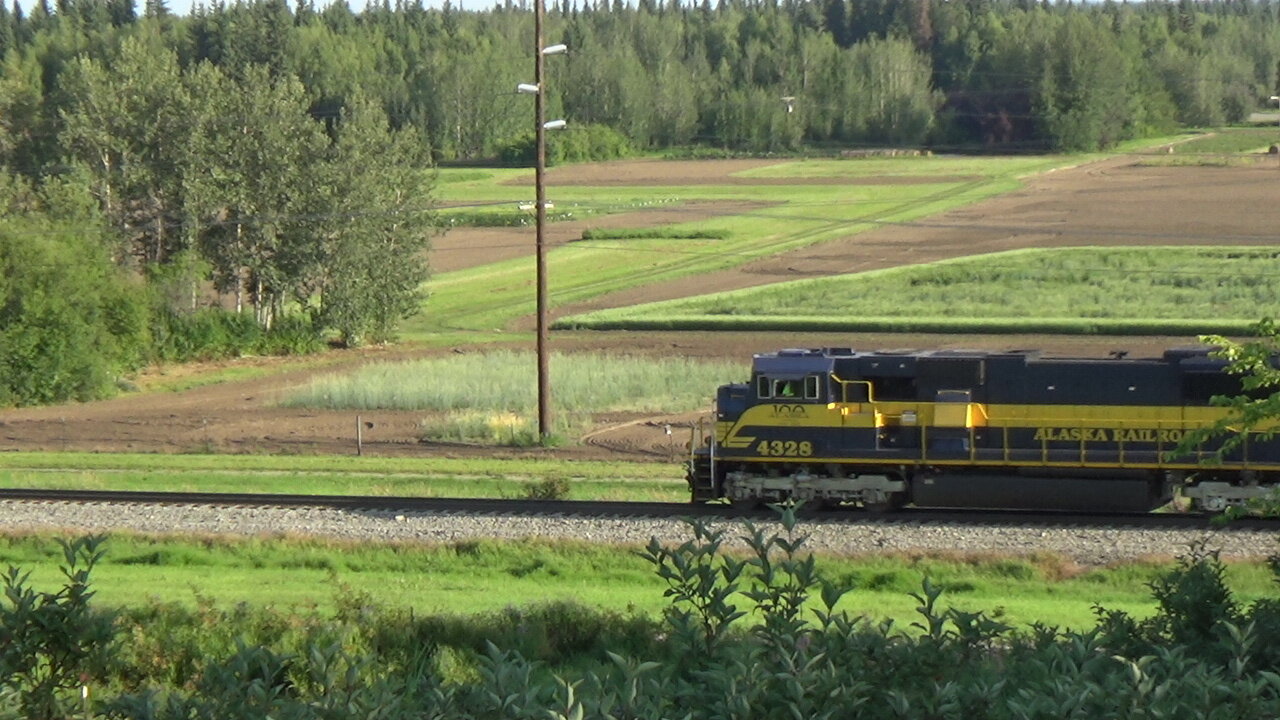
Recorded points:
(799, 376)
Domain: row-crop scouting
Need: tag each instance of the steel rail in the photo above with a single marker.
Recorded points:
(573, 508)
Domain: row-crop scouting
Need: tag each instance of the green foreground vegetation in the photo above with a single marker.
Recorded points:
(764, 632)
(483, 576)
(1150, 290)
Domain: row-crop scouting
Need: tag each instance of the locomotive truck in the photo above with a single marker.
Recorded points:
(1017, 429)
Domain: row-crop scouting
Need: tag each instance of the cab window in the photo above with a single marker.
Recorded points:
(787, 388)
(807, 388)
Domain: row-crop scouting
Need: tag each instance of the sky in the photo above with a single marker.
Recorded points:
(183, 7)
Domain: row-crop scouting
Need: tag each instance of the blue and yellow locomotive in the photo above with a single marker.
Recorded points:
(977, 429)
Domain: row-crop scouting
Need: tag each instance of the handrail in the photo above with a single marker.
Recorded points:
(844, 388)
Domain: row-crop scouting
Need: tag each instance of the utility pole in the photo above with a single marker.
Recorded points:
(540, 204)
(540, 128)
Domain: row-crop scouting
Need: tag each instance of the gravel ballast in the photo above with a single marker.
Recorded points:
(1085, 545)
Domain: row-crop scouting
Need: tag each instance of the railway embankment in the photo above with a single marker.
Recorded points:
(1090, 543)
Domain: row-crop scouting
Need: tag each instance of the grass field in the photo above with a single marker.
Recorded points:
(797, 215)
(491, 396)
(1118, 290)
(336, 475)
(1235, 140)
(1226, 147)
(482, 576)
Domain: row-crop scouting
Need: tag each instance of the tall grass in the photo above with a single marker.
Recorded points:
(490, 397)
(505, 381)
(1064, 290)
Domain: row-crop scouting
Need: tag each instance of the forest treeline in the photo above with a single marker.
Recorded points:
(275, 158)
(753, 75)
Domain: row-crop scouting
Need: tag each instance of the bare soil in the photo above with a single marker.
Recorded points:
(1115, 202)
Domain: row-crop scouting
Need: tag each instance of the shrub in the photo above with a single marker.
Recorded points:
(577, 143)
(291, 335)
(51, 643)
(549, 489)
(70, 323)
(214, 334)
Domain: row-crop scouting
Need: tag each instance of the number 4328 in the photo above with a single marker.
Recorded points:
(785, 448)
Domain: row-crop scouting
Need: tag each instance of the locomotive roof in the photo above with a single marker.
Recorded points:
(817, 359)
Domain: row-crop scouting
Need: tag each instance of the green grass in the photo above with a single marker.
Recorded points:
(1230, 140)
(491, 397)
(1078, 290)
(471, 577)
(336, 475)
(1227, 147)
(462, 175)
(787, 217)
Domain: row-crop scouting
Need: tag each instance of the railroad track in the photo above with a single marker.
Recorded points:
(600, 509)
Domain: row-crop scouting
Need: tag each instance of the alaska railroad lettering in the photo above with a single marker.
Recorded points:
(1116, 435)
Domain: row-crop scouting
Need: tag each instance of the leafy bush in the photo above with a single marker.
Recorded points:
(291, 335)
(214, 333)
(550, 489)
(70, 323)
(51, 643)
(576, 143)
